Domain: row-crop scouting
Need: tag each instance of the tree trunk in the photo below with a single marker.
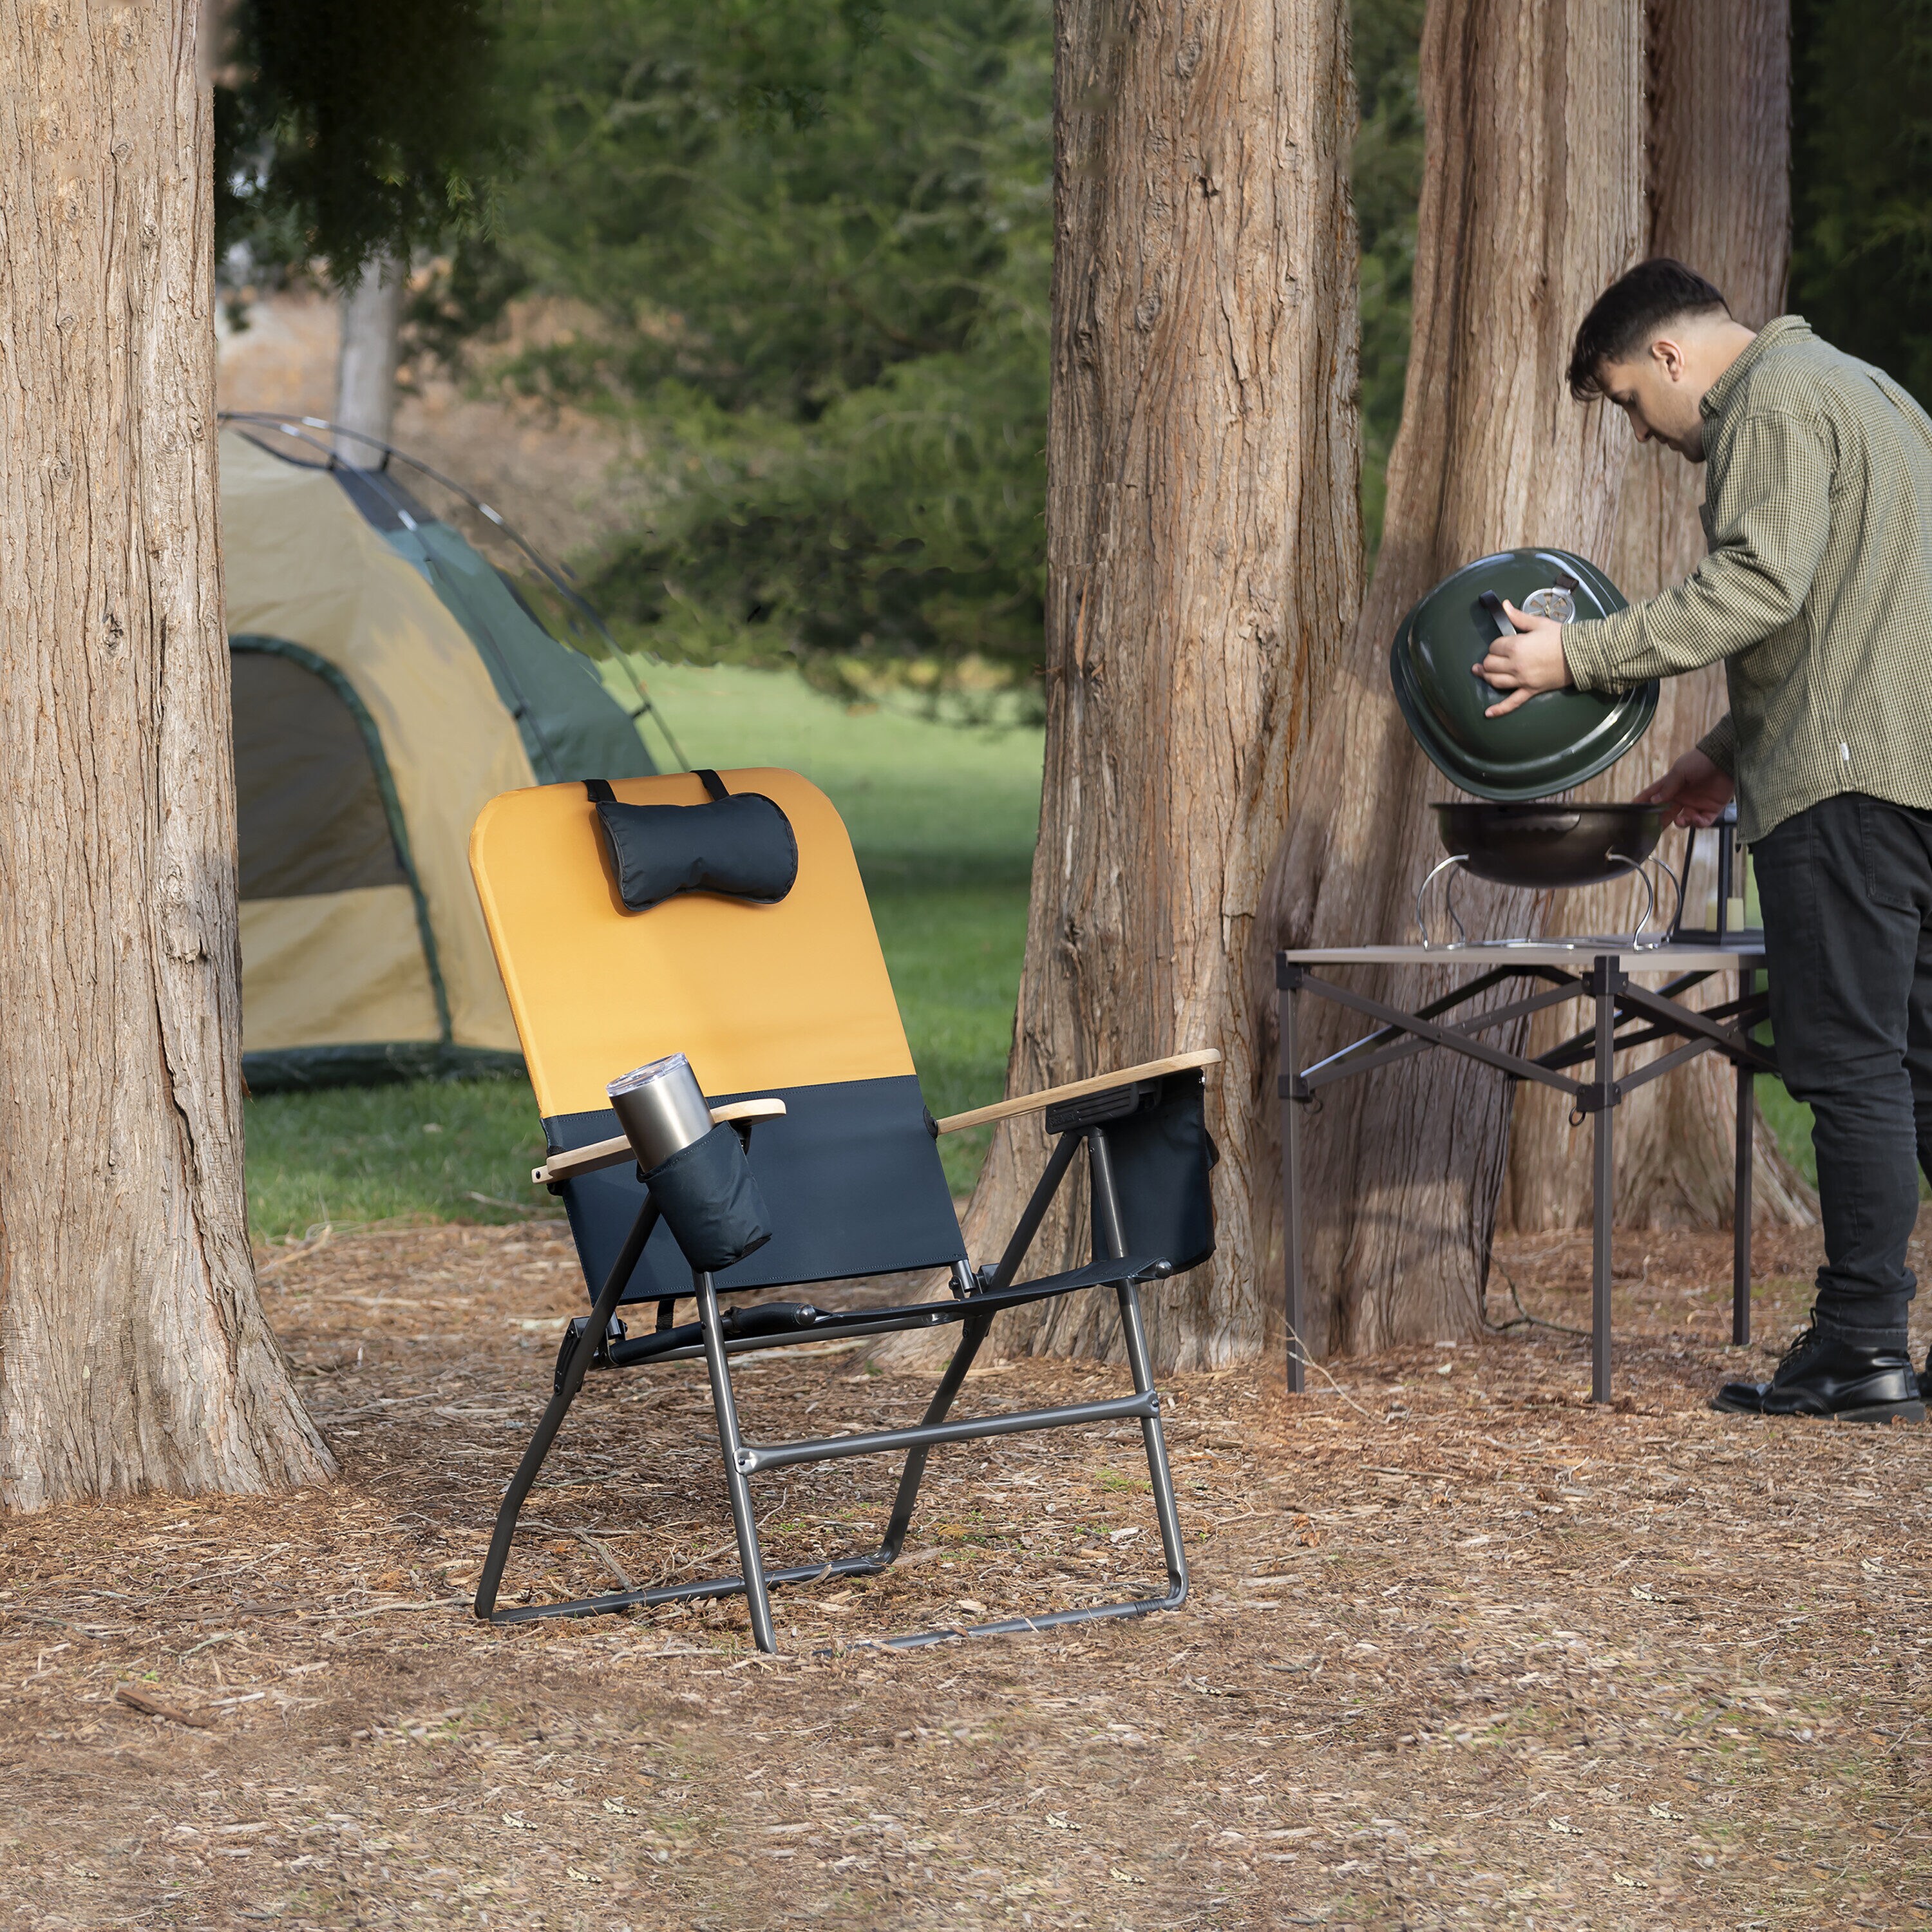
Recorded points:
(1532, 201)
(1203, 554)
(1720, 199)
(371, 310)
(133, 1355)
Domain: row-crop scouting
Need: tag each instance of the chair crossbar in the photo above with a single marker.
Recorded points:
(1131, 1606)
(709, 1587)
(974, 1312)
(686, 1342)
(882, 1441)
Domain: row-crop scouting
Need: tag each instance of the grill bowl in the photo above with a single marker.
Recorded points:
(1543, 845)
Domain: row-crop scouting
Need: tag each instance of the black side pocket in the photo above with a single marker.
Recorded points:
(1162, 1156)
(710, 1201)
(1892, 853)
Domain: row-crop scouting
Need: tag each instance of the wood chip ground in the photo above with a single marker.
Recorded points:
(1462, 1651)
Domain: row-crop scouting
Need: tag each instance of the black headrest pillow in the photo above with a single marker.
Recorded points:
(741, 846)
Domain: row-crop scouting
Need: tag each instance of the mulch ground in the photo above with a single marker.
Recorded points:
(1462, 1648)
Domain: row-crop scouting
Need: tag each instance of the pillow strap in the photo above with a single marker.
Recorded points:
(600, 793)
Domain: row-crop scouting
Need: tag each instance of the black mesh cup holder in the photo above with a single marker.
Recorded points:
(709, 1199)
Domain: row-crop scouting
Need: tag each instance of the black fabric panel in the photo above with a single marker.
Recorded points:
(311, 811)
(741, 847)
(710, 1202)
(1162, 1156)
(851, 1181)
(284, 1069)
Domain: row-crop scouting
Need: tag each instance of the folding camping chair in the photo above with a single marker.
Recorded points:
(787, 1016)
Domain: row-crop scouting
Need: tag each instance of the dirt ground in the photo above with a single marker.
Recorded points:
(1462, 1649)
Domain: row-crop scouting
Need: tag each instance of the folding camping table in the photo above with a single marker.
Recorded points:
(1626, 1015)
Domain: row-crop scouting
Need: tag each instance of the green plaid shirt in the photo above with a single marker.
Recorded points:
(1817, 592)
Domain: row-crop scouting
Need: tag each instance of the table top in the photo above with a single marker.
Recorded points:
(1734, 955)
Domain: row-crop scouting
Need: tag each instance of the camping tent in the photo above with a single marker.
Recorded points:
(388, 680)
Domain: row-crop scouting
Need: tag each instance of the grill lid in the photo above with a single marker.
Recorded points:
(1559, 738)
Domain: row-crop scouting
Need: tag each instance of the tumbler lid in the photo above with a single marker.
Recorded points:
(652, 1071)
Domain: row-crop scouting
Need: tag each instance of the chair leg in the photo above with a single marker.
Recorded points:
(973, 1332)
(1166, 1514)
(1107, 1207)
(512, 1507)
(751, 1566)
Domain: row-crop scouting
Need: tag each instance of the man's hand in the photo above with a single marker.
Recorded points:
(1531, 661)
(1694, 791)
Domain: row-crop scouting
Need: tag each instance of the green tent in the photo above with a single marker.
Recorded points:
(390, 679)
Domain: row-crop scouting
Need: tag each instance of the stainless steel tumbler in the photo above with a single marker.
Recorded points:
(660, 1108)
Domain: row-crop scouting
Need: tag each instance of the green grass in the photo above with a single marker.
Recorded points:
(429, 1148)
(1790, 1121)
(942, 821)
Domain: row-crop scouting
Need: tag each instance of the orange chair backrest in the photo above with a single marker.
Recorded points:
(793, 994)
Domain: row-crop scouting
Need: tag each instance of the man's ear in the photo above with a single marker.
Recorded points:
(1669, 357)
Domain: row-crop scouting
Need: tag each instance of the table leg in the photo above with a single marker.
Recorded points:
(1741, 1210)
(1291, 1185)
(1602, 1181)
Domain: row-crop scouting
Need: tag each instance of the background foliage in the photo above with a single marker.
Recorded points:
(805, 245)
(1386, 173)
(343, 127)
(1862, 180)
(810, 242)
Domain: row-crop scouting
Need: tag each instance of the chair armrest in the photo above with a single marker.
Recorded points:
(614, 1153)
(1101, 1083)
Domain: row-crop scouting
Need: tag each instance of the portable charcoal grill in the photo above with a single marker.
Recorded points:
(1515, 832)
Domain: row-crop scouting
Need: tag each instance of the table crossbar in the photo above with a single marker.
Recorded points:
(1327, 1072)
(1605, 981)
(1436, 1036)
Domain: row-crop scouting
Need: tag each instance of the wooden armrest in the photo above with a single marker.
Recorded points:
(615, 1153)
(1101, 1083)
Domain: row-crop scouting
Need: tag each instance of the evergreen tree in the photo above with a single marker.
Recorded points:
(343, 128)
(815, 238)
(1861, 167)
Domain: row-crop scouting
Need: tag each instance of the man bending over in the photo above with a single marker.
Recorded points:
(1817, 594)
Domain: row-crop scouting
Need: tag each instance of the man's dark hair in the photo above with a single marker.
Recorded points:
(1627, 316)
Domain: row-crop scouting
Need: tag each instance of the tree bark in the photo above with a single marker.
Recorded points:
(1204, 554)
(1720, 199)
(371, 311)
(133, 1354)
(1532, 200)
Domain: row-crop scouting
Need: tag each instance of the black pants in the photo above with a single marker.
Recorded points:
(1847, 890)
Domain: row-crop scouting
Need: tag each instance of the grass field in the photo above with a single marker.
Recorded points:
(943, 819)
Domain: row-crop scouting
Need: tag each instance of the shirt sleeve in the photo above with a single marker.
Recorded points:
(1768, 519)
(1719, 744)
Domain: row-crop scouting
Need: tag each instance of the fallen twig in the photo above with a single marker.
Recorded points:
(1523, 1315)
(41, 1617)
(605, 1556)
(1308, 1361)
(153, 1707)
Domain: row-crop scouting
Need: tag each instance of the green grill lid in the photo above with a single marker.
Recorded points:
(1559, 738)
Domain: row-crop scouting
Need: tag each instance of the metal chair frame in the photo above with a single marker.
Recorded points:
(977, 1298)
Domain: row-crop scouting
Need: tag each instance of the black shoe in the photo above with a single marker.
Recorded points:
(1822, 1375)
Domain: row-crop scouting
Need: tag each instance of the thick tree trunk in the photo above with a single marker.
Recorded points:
(1204, 548)
(371, 311)
(1532, 201)
(1720, 199)
(133, 1355)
